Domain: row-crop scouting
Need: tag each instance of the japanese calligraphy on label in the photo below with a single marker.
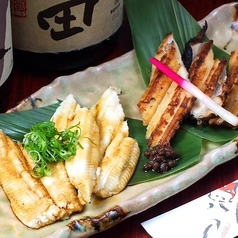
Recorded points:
(63, 25)
(6, 57)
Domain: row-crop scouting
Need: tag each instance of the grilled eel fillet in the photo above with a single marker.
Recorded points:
(159, 82)
(210, 76)
(29, 199)
(205, 72)
(164, 103)
(231, 101)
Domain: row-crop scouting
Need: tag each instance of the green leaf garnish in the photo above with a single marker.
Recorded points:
(45, 144)
(212, 133)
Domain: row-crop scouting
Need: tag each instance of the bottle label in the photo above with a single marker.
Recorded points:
(6, 57)
(63, 25)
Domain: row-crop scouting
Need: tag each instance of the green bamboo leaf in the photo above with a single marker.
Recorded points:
(151, 20)
(215, 134)
(16, 124)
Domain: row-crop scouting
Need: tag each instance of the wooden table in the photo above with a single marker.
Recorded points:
(21, 84)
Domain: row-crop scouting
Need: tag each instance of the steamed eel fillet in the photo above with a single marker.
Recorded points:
(118, 164)
(81, 168)
(64, 113)
(231, 102)
(109, 114)
(215, 86)
(167, 53)
(28, 198)
(58, 184)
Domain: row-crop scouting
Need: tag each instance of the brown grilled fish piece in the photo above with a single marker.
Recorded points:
(172, 102)
(214, 86)
(230, 91)
(168, 53)
(171, 118)
(210, 76)
(231, 103)
(201, 65)
(176, 103)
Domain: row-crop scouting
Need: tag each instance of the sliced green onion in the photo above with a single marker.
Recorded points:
(45, 144)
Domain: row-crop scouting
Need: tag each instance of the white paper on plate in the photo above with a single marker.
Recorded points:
(214, 215)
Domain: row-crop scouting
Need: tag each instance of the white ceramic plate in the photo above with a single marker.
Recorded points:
(87, 87)
(223, 26)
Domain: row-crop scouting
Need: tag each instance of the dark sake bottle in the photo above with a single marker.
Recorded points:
(59, 35)
(6, 58)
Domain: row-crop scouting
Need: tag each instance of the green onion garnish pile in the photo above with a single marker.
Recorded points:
(45, 144)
